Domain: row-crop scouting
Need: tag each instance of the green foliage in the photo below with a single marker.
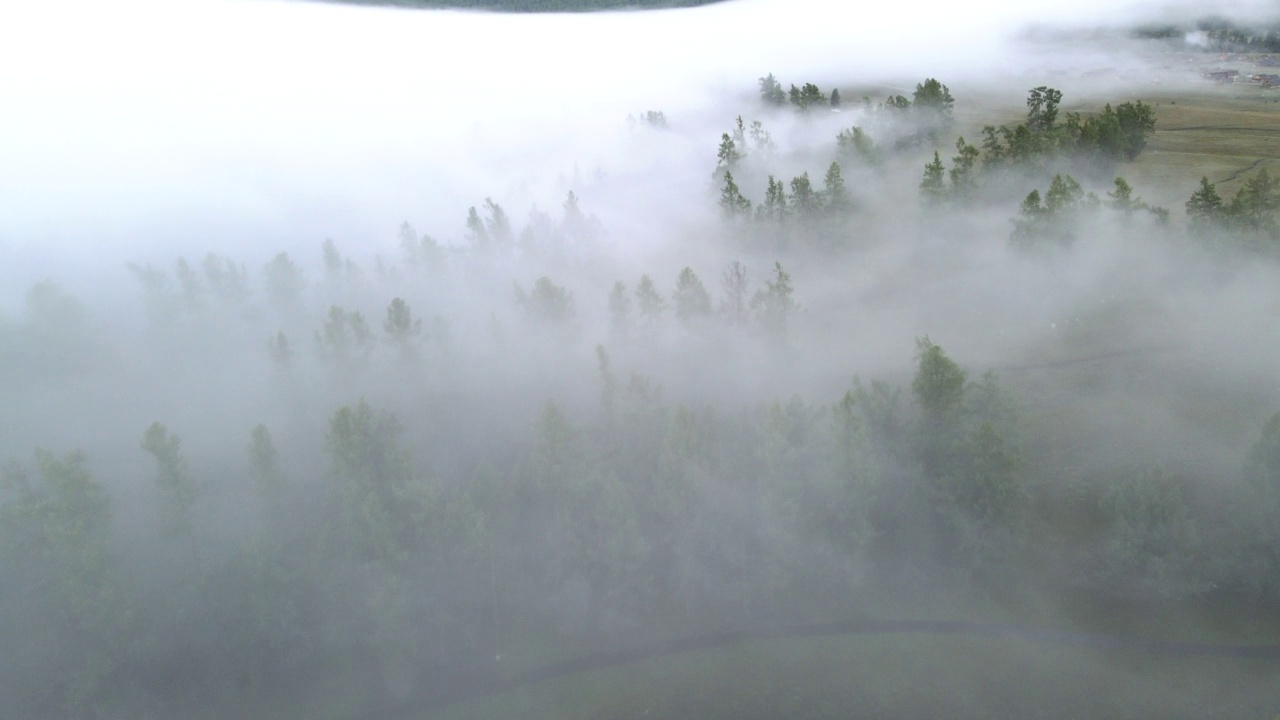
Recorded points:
(805, 201)
(771, 91)
(649, 302)
(776, 206)
(934, 107)
(728, 156)
(264, 461)
(651, 118)
(401, 327)
(477, 234)
(497, 226)
(733, 285)
(1042, 109)
(376, 506)
(1113, 135)
(55, 537)
(550, 304)
(346, 341)
(834, 192)
(963, 171)
(1055, 220)
(692, 302)
(854, 144)
(897, 102)
(424, 252)
(774, 304)
(1152, 540)
(933, 188)
(284, 282)
(1122, 200)
(761, 141)
(1250, 217)
(939, 382)
(808, 96)
(178, 489)
(280, 350)
(733, 204)
(1253, 209)
(619, 307)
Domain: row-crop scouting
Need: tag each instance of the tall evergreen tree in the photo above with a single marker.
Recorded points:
(834, 191)
(648, 301)
(178, 489)
(728, 156)
(733, 204)
(774, 304)
(1205, 208)
(619, 307)
(933, 187)
(733, 286)
(963, 173)
(774, 207)
(804, 200)
(771, 91)
(692, 302)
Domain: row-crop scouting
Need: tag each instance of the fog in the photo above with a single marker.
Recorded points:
(295, 500)
(155, 127)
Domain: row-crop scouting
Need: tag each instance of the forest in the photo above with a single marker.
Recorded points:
(379, 477)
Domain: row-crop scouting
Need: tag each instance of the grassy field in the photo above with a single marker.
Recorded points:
(1225, 133)
(898, 676)
(1043, 673)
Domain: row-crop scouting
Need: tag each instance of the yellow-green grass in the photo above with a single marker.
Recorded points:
(1224, 133)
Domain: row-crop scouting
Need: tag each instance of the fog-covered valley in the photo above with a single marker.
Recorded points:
(356, 360)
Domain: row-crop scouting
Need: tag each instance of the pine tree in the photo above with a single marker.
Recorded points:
(855, 144)
(771, 91)
(933, 188)
(733, 286)
(761, 141)
(178, 490)
(1065, 194)
(733, 204)
(497, 226)
(774, 304)
(372, 476)
(550, 304)
(477, 234)
(728, 156)
(740, 136)
(619, 307)
(1254, 205)
(834, 191)
(691, 299)
(402, 329)
(804, 201)
(1205, 208)
(774, 207)
(963, 181)
(650, 304)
